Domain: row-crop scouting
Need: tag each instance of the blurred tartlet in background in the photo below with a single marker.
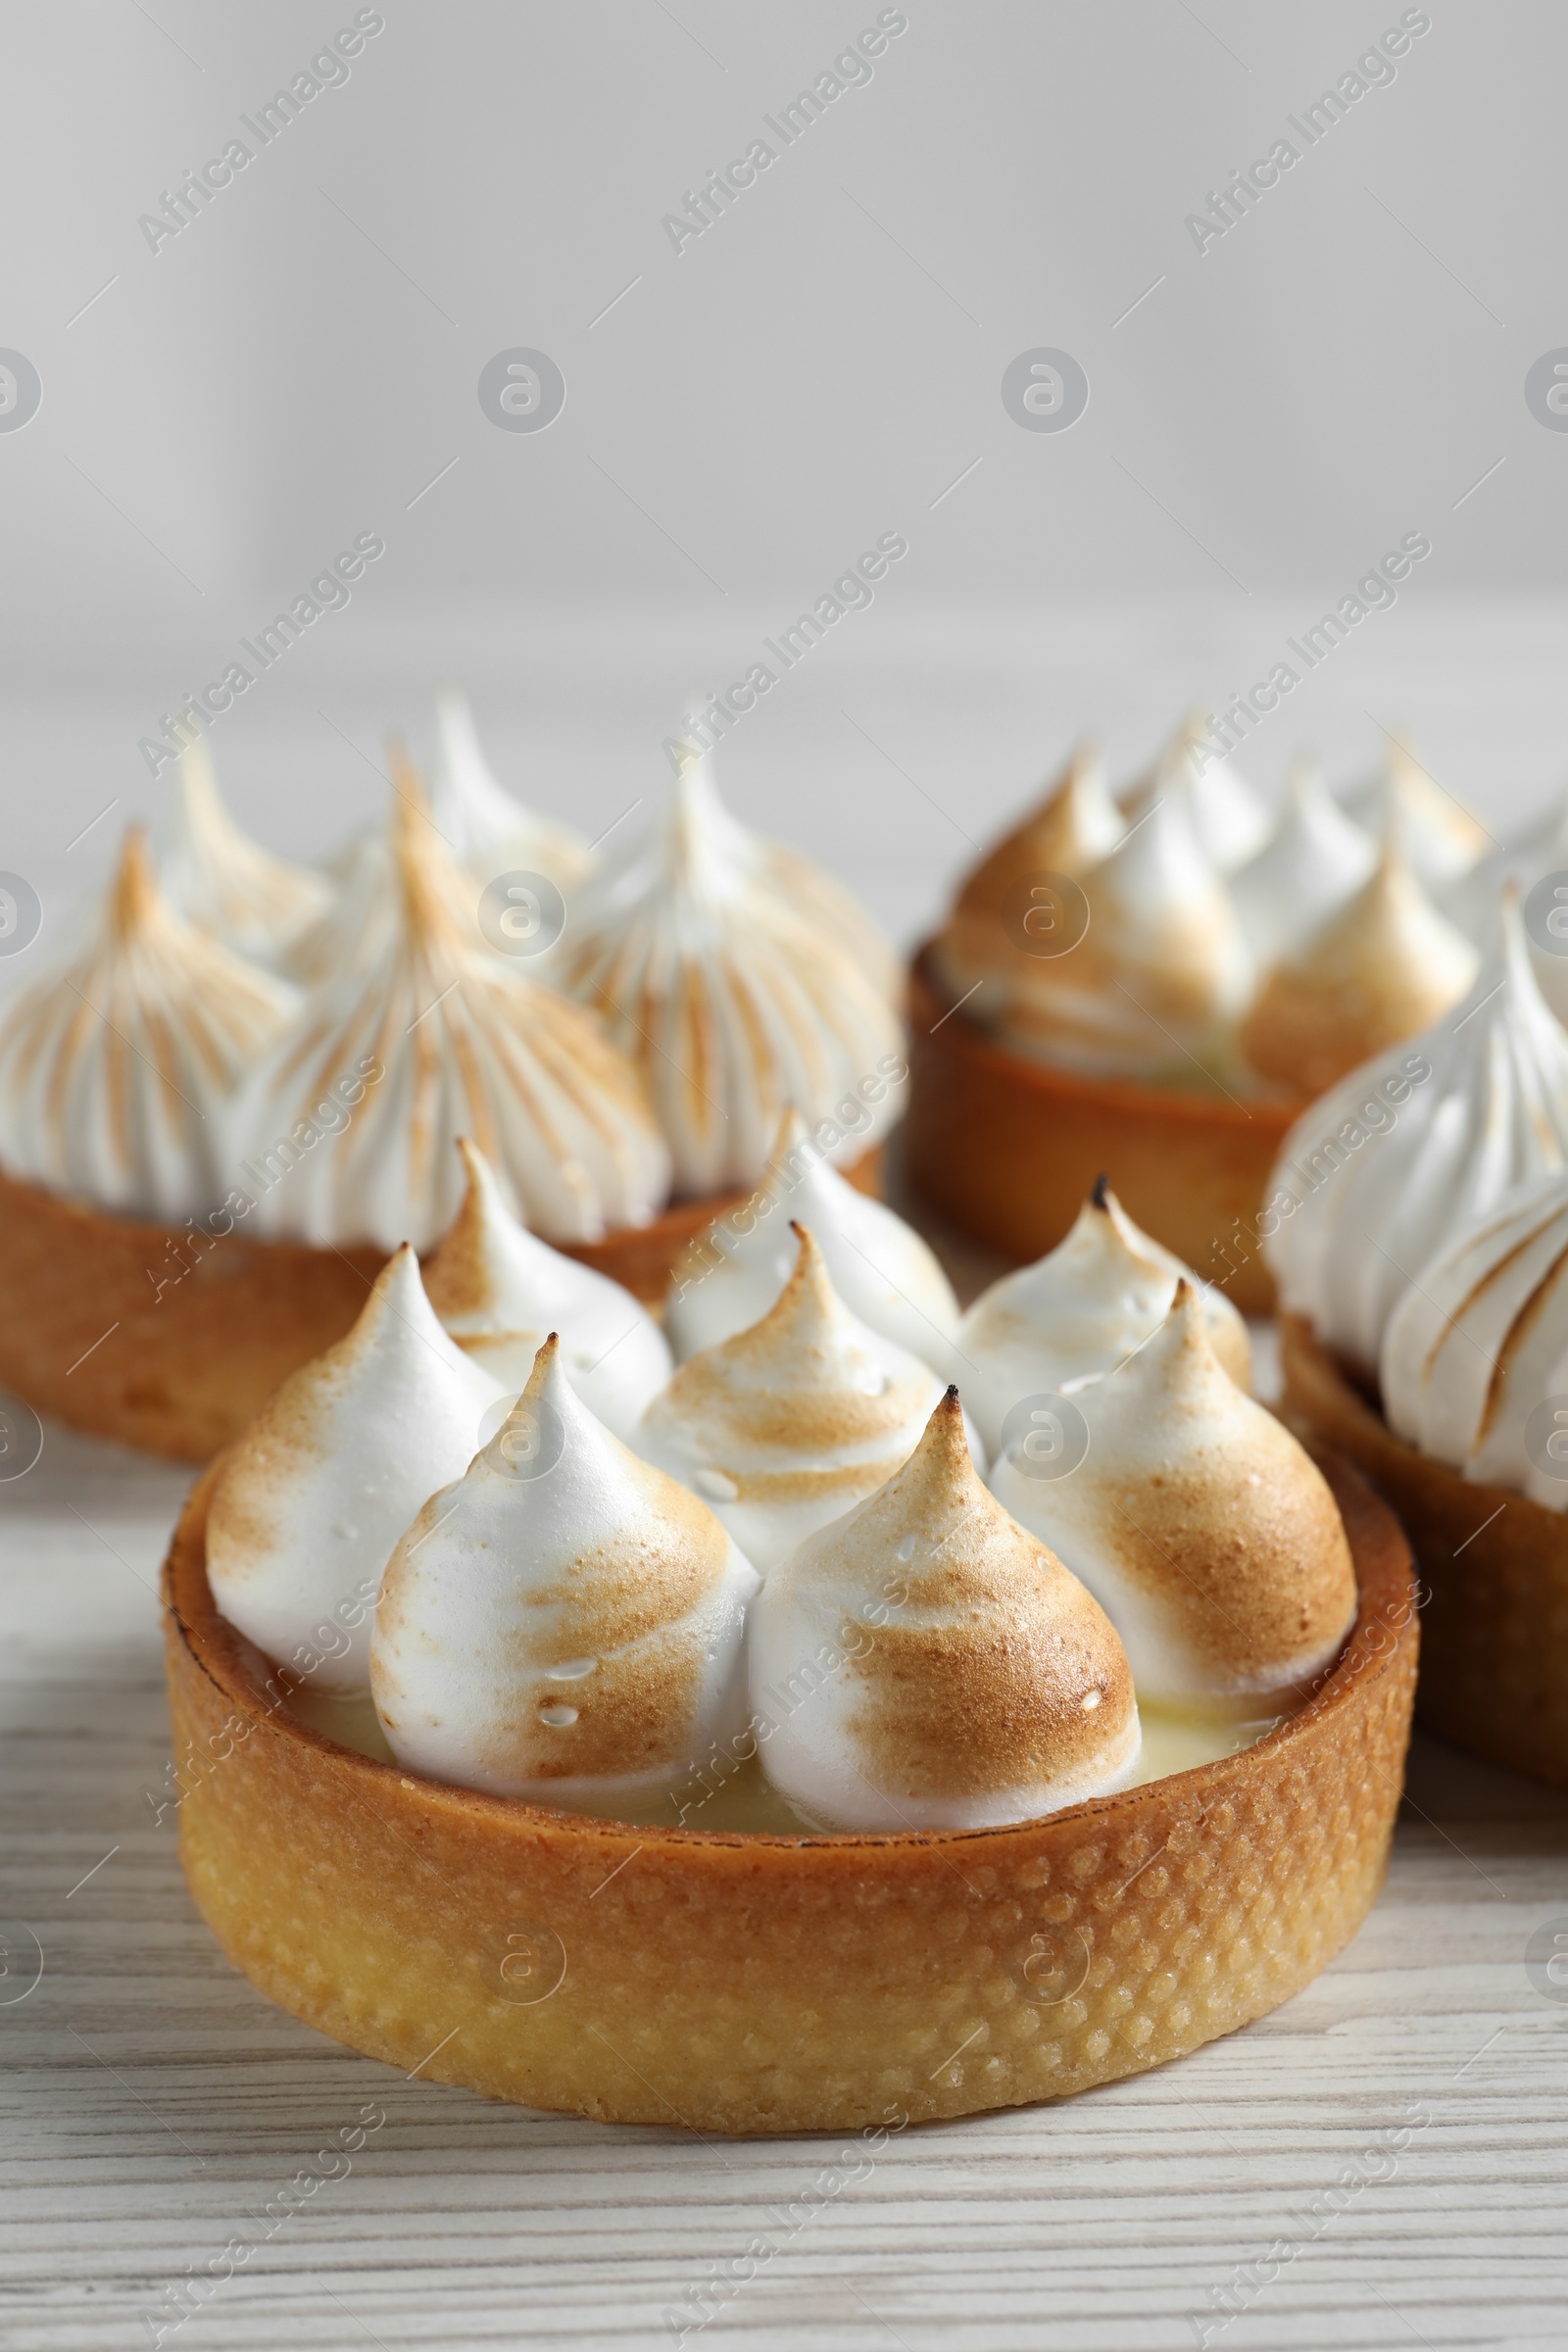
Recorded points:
(238, 1082)
(1159, 985)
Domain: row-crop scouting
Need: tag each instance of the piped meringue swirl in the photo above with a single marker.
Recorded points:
(224, 882)
(1312, 864)
(1373, 1177)
(1198, 1522)
(980, 954)
(730, 1001)
(1479, 1342)
(879, 1266)
(1156, 983)
(500, 1292)
(563, 1623)
(117, 1061)
(786, 1426)
(1382, 968)
(486, 828)
(1079, 1311)
(469, 1047)
(311, 1499)
(976, 1682)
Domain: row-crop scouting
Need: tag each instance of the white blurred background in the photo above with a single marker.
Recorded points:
(299, 364)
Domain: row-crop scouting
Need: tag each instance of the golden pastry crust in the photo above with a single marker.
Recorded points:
(772, 1984)
(91, 1336)
(1494, 1639)
(1006, 1147)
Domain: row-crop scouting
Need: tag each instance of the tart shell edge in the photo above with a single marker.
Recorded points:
(752, 1983)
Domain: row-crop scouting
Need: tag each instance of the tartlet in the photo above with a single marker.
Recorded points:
(159, 1069)
(1159, 990)
(746, 1983)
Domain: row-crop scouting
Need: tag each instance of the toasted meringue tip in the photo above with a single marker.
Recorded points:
(1101, 1195)
(134, 891)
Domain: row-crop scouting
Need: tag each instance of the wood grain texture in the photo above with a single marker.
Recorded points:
(153, 2102)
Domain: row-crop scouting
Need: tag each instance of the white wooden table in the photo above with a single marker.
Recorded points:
(1381, 2163)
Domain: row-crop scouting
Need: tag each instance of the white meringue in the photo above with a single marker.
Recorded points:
(465, 1045)
(732, 1004)
(1472, 902)
(1226, 816)
(1438, 835)
(1194, 1518)
(1078, 1312)
(310, 1502)
(805, 887)
(1480, 1341)
(565, 1622)
(500, 1290)
(224, 882)
(354, 927)
(1383, 967)
(879, 1266)
(486, 828)
(1157, 981)
(1372, 1179)
(982, 949)
(116, 1061)
(924, 1663)
(786, 1426)
(1313, 863)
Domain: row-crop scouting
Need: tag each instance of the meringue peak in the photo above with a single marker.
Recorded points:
(1200, 1525)
(1376, 1176)
(485, 827)
(225, 882)
(311, 1499)
(117, 1060)
(727, 973)
(134, 899)
(1162, 968)
(557, 1548)
(1079, 1311)
(497, 1288)
(1381, 969)
(1226, 816)
(459, 1042)
(977, 1681)
(880, 1267)
(783, 1427)
(1313, 861)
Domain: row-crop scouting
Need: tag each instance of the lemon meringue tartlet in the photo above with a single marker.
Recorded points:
(1163, 1002)
(205, 1153)
(619, 1820)
(1421, 1225)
